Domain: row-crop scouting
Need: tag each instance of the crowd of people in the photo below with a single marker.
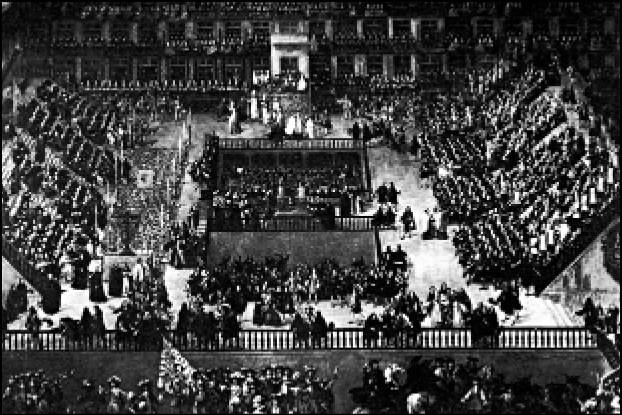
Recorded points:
(260, 191)
(65, 229)
(87, 135)
(270, 389)
(595, 316)
(443, 385)
(443, 308)
(39, 393)
(237, 282)
(291, 81)
(16, 303)
(204, 170)
(153, 200)
(497, 185)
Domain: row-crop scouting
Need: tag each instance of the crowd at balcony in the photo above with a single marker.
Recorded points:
(285, 82)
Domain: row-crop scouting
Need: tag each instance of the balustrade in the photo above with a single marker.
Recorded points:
(527, 338)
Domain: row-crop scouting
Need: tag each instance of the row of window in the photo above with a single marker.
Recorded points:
(206, 68)
(372, 26)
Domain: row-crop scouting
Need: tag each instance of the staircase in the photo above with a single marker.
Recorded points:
(608, 348)
(7, 69)
(16, 203)
(7, 165)
(37, 279)
(562, 315)
(570, 254)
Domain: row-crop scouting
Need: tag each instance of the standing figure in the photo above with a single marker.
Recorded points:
(310, 128)
(264, 110)
(347, 108)
(232, 118)
(254, 106)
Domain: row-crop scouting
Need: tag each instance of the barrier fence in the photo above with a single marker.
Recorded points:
(566, 338)
(294, 224)
(266, 144)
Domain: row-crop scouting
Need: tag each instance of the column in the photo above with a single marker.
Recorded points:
(527, 28)
(497, 27)
(413, 65)
(359, 28)
(134, 32)
(415, 27)
(190, 69)
(554, 27)
(190, 33)
(584, 27)
(106, 31)
(275, 61)
(247, 30)
(219, 69)
(474, 26)
(610, 26)
(53, 29)
(219, 27)
(584, 62)
(303, 64)
(329, 29)
(333, 66)
(387, 66)
(274, 27)
(106, 68)
(134, 69)
(162, 32)
(360, 64)
(303, 27)
(248, 69)
(78, 30)
(390, 28)
(78, 69)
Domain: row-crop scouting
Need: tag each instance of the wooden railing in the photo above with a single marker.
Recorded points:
(294, 224)
(338, 339)
(266, 144)
(112, 340)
